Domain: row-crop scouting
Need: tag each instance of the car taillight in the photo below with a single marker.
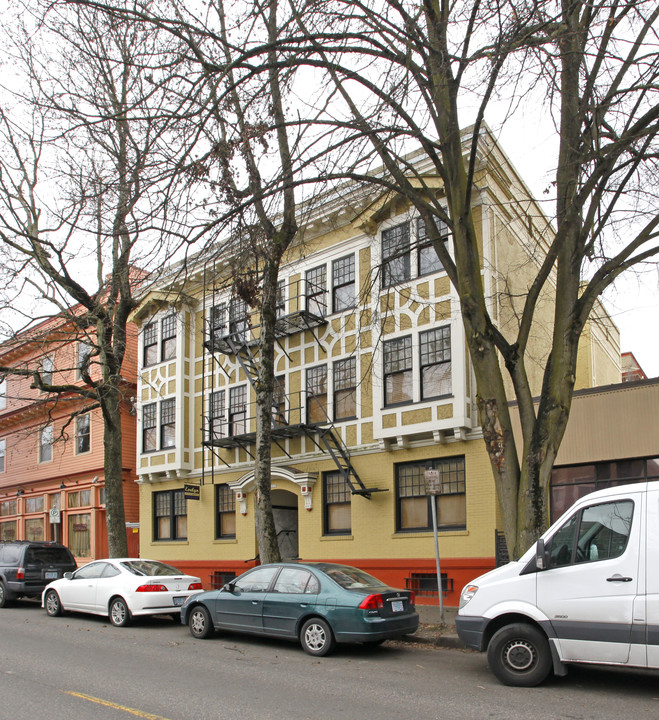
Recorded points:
(412, 599)
(20, 573)
(195, 586)
(372, 602)
(151, 588)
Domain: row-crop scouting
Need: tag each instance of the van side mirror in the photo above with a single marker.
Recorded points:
(541, 556)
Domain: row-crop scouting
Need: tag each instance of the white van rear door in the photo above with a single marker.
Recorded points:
(588, 592)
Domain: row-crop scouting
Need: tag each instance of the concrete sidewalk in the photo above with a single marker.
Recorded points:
(431, 631)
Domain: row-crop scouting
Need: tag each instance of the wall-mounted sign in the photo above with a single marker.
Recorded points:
(192, 492)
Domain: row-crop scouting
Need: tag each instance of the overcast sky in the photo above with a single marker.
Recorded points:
(634, 302)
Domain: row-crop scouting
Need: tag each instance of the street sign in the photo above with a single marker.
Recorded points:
(434, 487)
(433, 484)
(54, 516)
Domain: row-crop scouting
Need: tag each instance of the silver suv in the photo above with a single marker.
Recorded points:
(26, 567)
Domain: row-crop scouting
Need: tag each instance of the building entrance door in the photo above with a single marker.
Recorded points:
(284, 511)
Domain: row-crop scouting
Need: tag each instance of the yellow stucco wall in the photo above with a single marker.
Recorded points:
(373, 521)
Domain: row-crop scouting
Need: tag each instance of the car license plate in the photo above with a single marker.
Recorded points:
(51, 574)
(178, 600)
(397, 606)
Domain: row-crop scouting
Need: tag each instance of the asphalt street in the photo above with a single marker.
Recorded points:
(80, 666)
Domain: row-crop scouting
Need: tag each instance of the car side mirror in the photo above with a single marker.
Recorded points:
(227, 587)
(68, 575)
(541, 556)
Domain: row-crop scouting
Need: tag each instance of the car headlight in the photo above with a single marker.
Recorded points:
(468, 592)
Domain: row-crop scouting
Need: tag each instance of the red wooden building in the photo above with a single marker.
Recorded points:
(51, 460)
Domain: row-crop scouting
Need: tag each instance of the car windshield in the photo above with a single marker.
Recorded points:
(352, 578)
(150, 567)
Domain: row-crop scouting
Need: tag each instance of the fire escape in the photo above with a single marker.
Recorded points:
(228, 334)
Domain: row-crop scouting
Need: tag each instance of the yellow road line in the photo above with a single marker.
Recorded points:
(115, 706)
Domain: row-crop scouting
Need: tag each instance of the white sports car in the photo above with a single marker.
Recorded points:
(121, 588)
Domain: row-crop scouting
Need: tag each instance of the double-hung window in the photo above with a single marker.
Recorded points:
(343, 283)
(238, 410)
(345, 389)
(396, 253)
(281, 298)
(47, 370)
(168, 423)
(413, 504)
(428, 260)
(217, 322)
(170, 515)
(316, 291)
(336, 502)
(398, 379)
(150, 340)
(435, 354)
(83, 434)
(217, 417)
(3, 454)
(168, 341)
(226, 512)
(83, 353)
(238, 320)
(149, 427)
(317, 394)
(46, 444)
(159, 348)
(279, 401)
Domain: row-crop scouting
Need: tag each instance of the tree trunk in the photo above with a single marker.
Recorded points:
(114, 498)
(266, 534)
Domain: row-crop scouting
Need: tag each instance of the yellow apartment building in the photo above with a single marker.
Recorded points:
(374, 386)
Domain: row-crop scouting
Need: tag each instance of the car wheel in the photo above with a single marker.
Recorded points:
(3, 595)
(200, 623)
(316, 637)
(53, 604)
(119, 613)
(519, 655)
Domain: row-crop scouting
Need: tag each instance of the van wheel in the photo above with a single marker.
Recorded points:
(519, 655)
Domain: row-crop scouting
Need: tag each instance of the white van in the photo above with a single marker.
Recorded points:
(586, 592)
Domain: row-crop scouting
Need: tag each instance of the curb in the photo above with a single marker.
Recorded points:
(447, 641)
(425, 636)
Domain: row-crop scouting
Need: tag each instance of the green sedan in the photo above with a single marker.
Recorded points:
(318, 604)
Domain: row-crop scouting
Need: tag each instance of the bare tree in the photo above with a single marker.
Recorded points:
(247, 117)
(403, 70)
(91, 152)
(256, 150)
(393, 75)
